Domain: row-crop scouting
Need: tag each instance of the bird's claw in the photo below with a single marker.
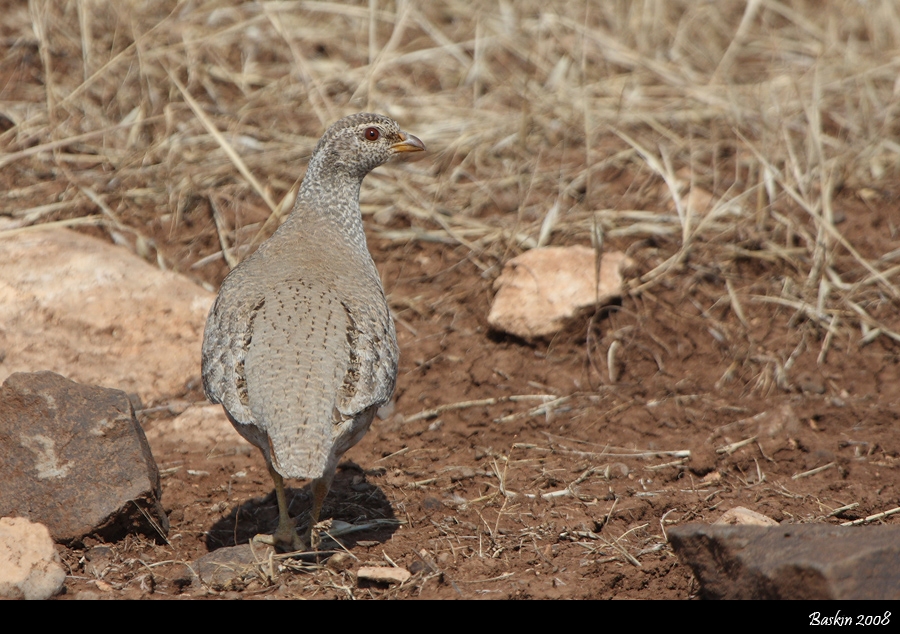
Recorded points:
(262, 538)
(286, 543)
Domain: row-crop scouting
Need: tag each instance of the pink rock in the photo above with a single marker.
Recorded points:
(542, 288)
(30, 567)
(383, 574)
(97, 314)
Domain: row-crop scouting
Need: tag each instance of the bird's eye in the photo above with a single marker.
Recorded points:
(371, 134)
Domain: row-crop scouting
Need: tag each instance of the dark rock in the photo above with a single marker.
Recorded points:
(74, 458)
(97, 561)
(800, 561)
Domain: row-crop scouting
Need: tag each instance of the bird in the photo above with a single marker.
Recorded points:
(299, 346)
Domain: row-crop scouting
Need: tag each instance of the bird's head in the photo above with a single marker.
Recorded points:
(357, 144)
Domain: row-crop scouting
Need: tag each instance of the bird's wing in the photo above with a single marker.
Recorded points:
(372, 371)
(225, 344)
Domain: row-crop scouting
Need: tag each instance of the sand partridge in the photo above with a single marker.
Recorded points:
(299, 346)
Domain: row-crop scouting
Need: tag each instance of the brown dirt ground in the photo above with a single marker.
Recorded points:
(471, 491)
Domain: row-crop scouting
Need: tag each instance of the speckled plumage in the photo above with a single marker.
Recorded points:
(299, 346)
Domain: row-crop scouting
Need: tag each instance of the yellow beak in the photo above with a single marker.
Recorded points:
(408, 143)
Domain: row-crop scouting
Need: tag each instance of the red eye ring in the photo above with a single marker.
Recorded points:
(371, 134)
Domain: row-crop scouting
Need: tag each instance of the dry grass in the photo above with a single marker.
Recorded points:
(702, 136)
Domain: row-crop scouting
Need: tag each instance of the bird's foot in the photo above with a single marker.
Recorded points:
(314, 538)
(286, 541)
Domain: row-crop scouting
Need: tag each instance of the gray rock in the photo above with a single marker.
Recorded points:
(74, 458)
(232, 568)
(98, 560)
(800, 561)
(30, 567)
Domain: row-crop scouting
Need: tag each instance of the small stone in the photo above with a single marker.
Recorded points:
(457, 474)
(30, 567)
(809, 383)
(416, 567)
(181, 576)
(102, 585)
(740, 516)
(383, 574)
(431, 504)
(98, 560)
(339, 561)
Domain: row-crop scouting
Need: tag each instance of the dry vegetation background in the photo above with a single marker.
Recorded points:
(745, 154)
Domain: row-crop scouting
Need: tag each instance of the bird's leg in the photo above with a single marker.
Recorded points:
(285, 537)
(319, 488)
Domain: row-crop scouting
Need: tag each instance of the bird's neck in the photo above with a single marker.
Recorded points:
(330, 196)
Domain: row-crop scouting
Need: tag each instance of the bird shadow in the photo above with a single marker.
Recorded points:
(352, 499)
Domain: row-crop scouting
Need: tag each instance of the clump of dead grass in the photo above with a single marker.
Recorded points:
(704, 135)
